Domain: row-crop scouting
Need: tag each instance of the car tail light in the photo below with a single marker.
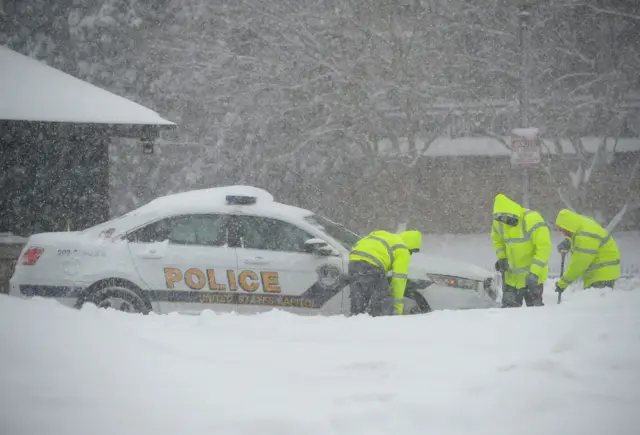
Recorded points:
(31, 256)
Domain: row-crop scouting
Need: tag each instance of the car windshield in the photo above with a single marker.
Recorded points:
(346, 237)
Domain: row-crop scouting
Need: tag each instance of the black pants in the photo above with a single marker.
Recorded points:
(369, 289)
(513, 297)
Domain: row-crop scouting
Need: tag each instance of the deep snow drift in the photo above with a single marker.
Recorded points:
(562, 369)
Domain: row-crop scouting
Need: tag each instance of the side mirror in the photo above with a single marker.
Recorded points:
(319, 247)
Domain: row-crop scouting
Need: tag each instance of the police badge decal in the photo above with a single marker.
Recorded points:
(328, 277)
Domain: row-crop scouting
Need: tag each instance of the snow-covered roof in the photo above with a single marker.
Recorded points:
(33, 91)
(487, 146)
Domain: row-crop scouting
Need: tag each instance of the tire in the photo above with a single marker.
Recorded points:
(116, 294)
(415, 303)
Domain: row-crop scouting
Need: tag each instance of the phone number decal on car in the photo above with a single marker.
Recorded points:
(245, 299)
(69, 252)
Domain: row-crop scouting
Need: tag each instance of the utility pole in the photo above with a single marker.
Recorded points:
(523, 19)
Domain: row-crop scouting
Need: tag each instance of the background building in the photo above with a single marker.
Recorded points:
(55, 132)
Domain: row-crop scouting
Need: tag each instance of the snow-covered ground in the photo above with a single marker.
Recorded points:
(572, 368)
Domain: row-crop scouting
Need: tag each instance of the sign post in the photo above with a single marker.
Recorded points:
(525, 154)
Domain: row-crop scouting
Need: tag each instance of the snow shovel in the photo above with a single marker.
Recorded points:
(563, 254)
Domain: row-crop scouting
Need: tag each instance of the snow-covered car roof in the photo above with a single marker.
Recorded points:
(210, 200)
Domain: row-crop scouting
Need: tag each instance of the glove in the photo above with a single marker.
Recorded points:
(559, 290)
(502, 265)
(564, 246)
(532, 280)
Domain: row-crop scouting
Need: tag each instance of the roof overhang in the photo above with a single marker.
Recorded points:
(35, 92)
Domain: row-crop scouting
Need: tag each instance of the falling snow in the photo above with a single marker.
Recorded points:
(376, 114)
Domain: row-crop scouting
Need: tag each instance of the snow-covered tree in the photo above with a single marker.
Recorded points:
(293, 95)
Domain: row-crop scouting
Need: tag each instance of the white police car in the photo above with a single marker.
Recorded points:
(226, 249)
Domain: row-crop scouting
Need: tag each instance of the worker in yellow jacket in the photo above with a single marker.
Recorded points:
(594, 253)
(370, 260)
(522, 243)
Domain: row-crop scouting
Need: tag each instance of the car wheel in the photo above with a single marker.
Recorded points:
(118, 296)
(415, 303)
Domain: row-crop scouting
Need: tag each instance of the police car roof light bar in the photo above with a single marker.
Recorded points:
(241, 200)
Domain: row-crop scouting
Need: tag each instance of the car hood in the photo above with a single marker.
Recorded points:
(421, 264)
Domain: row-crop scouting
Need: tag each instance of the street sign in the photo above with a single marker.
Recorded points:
(525, 148)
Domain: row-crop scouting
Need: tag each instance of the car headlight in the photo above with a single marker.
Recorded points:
(452, 281)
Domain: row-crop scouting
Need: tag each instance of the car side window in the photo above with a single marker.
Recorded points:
(184, 230)
(154, 232)
(206, 230)
(255, 232)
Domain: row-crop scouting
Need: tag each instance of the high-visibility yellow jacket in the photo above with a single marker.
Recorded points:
(594, 253)
(389, 252)
(527, 245)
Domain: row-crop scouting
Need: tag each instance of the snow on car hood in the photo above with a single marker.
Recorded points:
(421, 264)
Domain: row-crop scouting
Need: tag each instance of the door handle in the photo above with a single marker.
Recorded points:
(257, 260)
(152, 253)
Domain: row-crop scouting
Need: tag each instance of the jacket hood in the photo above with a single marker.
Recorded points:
(569, 221)
(504, 205)
(412, 238)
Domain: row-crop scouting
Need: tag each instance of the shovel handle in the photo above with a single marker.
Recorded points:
(563, 254)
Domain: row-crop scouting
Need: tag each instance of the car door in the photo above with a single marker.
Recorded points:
(186, 263)
(275, 270)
